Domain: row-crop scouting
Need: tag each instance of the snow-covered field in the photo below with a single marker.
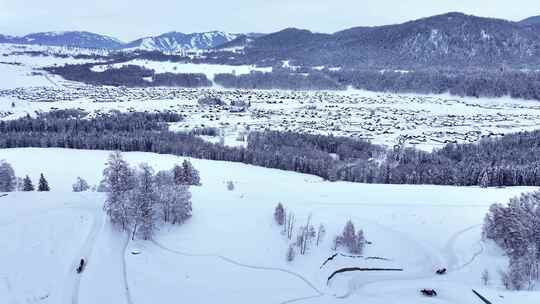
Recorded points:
(210, 70)
(231, 251)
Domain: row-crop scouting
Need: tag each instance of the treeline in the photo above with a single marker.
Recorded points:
(9, 182)
(471, 83)
(129, 76)
(279, 80)
(511, 160)
(71, 120)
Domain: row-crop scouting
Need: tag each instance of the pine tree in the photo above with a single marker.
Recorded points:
(43, 185)
(191, 174)
(27, 184)
(179, 175)
(354, 241)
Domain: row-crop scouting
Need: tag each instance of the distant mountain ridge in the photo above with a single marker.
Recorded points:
(451, 39)
(80, 39)
(175, 41)
(168, 42)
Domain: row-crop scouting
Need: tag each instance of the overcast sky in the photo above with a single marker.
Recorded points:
(130, 19)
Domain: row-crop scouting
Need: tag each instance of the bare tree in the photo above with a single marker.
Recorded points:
(321, 232)
(289, 225)
(305, 236)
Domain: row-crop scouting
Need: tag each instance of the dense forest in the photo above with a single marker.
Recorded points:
(129, 76)
(507, 161)
(472, 83)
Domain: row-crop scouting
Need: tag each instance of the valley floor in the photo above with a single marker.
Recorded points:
(231, 251)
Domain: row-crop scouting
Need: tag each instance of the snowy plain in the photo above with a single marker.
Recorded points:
(210, 70)
(231, 251)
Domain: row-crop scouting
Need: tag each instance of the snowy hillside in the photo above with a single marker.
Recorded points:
(231, 250)
(20, 65)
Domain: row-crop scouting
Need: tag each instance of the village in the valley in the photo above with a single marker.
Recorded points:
(391, 119)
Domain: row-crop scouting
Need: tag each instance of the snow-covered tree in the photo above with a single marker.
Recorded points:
(351, 239)
(164, 178)
(175, 201)
(8, 181)
(143, 204)
(186, 174)
(80, 185)
(27, 184)
(118, 179)
(19, 181)
(43, 185)
(279, 214)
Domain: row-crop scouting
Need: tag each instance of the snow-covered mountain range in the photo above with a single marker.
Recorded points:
(176, 41)
(448, 39)
(168, 42)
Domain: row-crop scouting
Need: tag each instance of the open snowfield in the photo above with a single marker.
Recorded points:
(231, 251)
(210, 70)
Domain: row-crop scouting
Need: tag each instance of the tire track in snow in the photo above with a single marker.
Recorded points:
(86, 252)
(449, 250)
(318, 292)
(124, 272)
